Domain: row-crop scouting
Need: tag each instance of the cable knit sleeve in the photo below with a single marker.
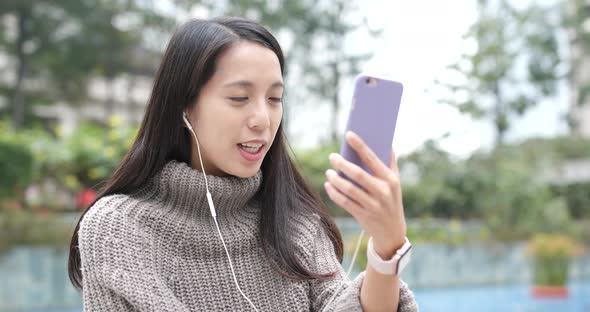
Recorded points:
(321, 258)
(117, 272)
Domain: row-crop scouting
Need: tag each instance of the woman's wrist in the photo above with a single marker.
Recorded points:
(386, 249)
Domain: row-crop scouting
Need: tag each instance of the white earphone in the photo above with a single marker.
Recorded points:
(212, 209)
(209, 199)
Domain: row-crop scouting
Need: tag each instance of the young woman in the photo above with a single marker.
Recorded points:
(208, 212)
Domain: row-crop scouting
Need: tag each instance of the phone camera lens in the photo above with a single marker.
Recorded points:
(372, 82)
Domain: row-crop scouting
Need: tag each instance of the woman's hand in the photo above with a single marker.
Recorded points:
(378, 208)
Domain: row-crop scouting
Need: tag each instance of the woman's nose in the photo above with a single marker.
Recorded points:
(260, 118)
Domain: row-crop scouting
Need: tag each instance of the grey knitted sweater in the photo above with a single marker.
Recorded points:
(158, 250)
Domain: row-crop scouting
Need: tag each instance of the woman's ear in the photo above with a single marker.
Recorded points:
(185, 121)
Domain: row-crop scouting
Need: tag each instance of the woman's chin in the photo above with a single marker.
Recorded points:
(244, 172)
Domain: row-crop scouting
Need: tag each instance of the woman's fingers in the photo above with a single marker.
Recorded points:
(367, 155)
(350, 190)
(341, 200)
(354, 172)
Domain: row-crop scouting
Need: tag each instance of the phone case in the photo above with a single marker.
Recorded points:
(373, 116)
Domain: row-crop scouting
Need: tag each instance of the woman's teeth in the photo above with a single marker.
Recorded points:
(251, 148)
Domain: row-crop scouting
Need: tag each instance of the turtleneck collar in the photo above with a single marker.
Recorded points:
(184, 188)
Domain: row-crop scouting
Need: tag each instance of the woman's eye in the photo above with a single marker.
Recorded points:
(276, 99)
(239, 98)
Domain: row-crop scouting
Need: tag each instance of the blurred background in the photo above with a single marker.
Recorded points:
(493, 136)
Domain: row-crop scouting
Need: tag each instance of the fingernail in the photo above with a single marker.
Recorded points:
(333, 156)
(330, 172)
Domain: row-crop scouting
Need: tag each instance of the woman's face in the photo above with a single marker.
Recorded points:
(238, 111)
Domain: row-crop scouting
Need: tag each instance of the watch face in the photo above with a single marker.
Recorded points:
(403, 261)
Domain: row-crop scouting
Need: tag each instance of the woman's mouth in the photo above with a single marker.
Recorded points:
(251, 151)
(250, 148)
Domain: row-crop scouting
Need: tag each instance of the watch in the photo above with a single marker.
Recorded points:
(393, 266)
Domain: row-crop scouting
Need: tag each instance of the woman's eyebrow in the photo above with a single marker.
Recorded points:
(248, 84)
(277, 84)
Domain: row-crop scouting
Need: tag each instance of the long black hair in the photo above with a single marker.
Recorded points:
(187, 64)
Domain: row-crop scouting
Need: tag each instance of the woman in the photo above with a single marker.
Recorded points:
(213, 127)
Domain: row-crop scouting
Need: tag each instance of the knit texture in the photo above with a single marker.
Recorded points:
(158, 250)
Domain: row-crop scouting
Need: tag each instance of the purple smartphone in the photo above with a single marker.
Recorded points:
(373, 115)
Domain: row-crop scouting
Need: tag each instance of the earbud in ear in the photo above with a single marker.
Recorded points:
(186, 122)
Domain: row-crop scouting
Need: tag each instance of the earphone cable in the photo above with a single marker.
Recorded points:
(214, 215)
(350, 266)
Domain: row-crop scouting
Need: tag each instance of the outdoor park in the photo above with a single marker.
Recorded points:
(492, 138)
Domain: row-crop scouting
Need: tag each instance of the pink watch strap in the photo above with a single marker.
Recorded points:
(392, 266)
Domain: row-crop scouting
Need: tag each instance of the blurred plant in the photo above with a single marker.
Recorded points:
(508, 39)
(76, 163)
(452, 233)
(435, 192)
(515, 201)
(360, 263)
(313, 164)
(557, 149)
(16, 168)
(506, 188)
(57, 47)
(551, 255)
(16, 165)
(581, 230)
(95, 152)
(18, 228)
(575, 22)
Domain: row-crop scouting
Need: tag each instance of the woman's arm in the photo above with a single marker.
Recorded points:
(319, 255)
(376, 203)
(382, 292)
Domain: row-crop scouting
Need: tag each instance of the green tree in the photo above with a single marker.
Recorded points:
(514, 67)
(58, 46)
(313, 164)
(575, 21)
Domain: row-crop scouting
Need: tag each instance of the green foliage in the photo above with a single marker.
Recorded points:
(16, 167)
(361, 257)
(551, 153)
(515, 202)
(75, 162)
(506, 187)
(19, 228)
(78, 161)
(551, 271)
(95, 152)
(452, 232)
(554, 149)
(431, 195)
(577, 197)
(581, 230)
(492, 85)
(313, 164)
(62, 45)
(576, 22)
(552, 254)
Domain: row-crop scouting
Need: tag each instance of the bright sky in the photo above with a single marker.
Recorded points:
(420, 39)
